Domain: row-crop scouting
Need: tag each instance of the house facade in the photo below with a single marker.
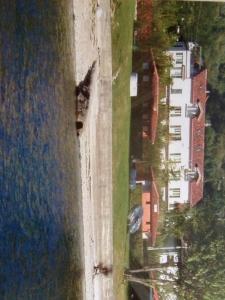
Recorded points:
(186, 97)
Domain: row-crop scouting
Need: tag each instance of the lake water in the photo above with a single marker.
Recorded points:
(39, 169)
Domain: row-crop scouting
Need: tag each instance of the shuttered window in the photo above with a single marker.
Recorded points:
(174, 192)
(176, 91)
(175, 132)
(175, 157)
(176, 72)
(179, 58)
(175, 111)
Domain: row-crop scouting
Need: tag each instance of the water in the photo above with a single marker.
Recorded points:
(39, 169)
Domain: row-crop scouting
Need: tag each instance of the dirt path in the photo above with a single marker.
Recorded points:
(93, 43)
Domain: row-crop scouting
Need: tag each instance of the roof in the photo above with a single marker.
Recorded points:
(150, 205)
(154, 213)
(197, 138)
(146, 211)
(153, 111)
(155, 102)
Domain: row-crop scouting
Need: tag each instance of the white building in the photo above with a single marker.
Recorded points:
(186, 97)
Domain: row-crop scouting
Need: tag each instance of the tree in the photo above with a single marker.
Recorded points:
(202, 272)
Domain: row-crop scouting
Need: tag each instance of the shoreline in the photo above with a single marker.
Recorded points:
(94, 44)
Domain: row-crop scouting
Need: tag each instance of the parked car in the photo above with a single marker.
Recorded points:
(135, 218)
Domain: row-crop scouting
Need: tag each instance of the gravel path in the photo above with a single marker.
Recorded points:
(92, 30)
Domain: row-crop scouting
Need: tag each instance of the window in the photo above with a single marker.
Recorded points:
(145, 128)
(173, 205)
(176, 258)
(174, 193)
(163, 259)
(174, 175)
(145, 116)
(176, 72)
(175, 157)
(175, 132)
(175, 111)
(145, 66)
(145, 78)
(179, 58)
(145, 104)
(176, 91)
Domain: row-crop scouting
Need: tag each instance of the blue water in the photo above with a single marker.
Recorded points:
(39, 169)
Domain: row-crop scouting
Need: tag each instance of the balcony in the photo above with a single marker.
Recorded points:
(192, 174)
(193, 111)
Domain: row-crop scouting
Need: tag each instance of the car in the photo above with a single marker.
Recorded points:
(135, 218)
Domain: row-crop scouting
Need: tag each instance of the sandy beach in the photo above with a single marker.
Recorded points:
(92, 42)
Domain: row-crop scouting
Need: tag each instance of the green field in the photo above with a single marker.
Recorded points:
(122, 37)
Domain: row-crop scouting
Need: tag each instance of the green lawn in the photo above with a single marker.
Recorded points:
(122, 35)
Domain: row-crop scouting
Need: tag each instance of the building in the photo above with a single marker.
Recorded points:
(150, 219)
(150, 106)
(186, 97)
(150, 203)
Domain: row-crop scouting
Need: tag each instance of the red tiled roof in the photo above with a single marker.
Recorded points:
(150, 205)
(154, 213)
(199, 86)
(152, 122)
(146, 211)
(155, 102)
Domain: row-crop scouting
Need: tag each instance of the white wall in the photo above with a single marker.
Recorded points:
(182, 146)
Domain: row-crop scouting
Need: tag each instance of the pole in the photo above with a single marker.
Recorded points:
(167, 248)
(215, 1)
(149, 269)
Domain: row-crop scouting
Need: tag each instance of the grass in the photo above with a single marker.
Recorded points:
(122, 36)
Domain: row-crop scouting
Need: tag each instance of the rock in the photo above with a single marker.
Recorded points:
(82, 92)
